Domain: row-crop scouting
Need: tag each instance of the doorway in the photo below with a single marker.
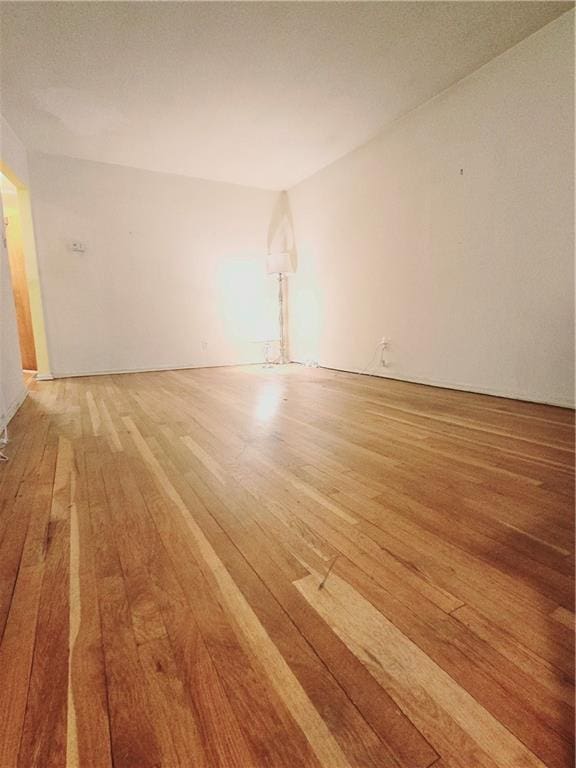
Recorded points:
(24, 277)
(15, 247)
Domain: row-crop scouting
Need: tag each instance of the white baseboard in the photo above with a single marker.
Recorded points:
(157, 369)
(523, 396)
(6, 418)
(44, 377)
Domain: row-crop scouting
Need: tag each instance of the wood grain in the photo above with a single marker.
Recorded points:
(253, 568)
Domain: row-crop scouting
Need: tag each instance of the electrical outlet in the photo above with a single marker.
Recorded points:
(204, 346)
(384, 345)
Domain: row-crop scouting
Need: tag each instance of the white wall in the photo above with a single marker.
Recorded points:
(173, 273)
(12, 390)
(452, 234)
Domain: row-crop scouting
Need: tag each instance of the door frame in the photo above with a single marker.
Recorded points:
(32, 273)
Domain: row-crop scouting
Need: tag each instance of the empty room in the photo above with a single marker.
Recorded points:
(287, 384)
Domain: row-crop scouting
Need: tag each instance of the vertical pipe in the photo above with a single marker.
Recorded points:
(281, 318)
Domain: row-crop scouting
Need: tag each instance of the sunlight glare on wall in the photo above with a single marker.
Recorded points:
(248, 304)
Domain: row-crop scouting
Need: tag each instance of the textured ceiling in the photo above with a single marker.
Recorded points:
(262, 94)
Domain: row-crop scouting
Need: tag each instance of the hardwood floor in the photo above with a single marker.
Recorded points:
(250, 568)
